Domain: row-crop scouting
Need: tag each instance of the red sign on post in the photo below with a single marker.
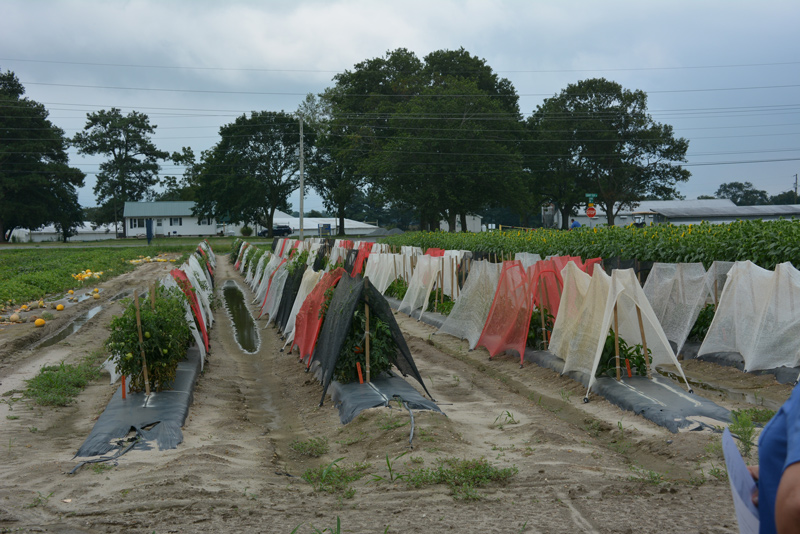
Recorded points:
(591, 212)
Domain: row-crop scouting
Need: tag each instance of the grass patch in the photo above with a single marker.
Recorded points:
(759, 416)
(58, 385)
(314, 447)
(334, 478)
(461, 476)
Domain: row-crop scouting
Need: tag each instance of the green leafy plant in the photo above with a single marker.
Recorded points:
(58, 385)
(165, 339)
(743, 428)
(397, 289)
(314, 447)
(382, 349)
(505, 418)
(333, 478)
(538, 337)
(633, 353)
(702, 324)
(392, 472)
(461, 476)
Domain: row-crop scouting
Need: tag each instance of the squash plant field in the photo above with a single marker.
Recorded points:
(764, 243)
(33, 273)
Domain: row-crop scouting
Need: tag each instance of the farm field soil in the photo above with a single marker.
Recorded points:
(581, 468)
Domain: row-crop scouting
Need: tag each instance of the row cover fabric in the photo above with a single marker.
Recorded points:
(586, 315)
(757, 317)
(308, 321)
(471, 310)
(678, 291)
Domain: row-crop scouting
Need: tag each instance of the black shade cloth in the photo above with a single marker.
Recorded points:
(290, 290)
(349, 294)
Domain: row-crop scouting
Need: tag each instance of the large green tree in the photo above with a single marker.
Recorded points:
(37, 186)
(437, 135)
(599, 139)
(743, 194)
(131, 172)
(252, 170)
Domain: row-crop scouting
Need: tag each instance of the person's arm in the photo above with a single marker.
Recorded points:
(787, 504)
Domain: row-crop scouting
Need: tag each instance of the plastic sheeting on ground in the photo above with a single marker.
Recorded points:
(758, 317)
(353, 398)
(157, 417)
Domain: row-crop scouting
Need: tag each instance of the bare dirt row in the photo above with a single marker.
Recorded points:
(581, 467)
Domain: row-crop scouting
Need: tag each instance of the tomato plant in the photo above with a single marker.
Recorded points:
(165, 339)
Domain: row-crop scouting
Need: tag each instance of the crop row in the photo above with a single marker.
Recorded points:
(28, 274)
(765, 243)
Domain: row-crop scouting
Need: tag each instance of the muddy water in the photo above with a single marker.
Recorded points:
(244, 327)
(70, 329)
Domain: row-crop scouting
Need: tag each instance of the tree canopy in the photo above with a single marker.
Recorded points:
(598, 138)
(252, 170)
(743, 194)
(438, 135)
(131, 172)
(37, 186)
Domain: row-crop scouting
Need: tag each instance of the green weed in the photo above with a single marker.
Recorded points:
(58, 385)
(314, 447)
(743, 428)
(334, 478)
(461, 476)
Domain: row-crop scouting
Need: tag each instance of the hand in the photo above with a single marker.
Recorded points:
(754, 473)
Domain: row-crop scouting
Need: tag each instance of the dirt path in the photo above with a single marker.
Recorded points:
(581, 468)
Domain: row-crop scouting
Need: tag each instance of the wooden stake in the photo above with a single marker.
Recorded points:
(541, 312)
(644, 341)
(716, 291)
(616, 340)
(141, 342)
(366, 343)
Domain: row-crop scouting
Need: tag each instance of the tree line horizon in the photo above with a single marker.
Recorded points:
(399, 139)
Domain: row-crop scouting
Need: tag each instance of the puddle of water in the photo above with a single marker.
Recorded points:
(738, 395)
(70, 329)
(243, 325)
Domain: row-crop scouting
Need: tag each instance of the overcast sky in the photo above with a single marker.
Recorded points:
(725, 74)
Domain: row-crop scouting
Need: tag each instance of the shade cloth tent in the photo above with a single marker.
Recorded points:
(677, 292)
(310, 280)
(716, 278)
(383, 269)
(309, 321)
(426, 273)
(470, 311)
(351, 293)
(758, 316)
(289, 294)
(509, 317)
(527, 259)
(273, 299)
(587, 313)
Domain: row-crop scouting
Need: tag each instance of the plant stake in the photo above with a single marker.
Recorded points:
(141, 342)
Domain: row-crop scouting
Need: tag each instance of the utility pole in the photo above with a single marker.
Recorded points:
(301, 177)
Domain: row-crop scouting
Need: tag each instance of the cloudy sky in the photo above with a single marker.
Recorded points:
(724, 73)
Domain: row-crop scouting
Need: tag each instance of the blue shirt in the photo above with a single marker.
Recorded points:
(778, 448)
(575, 224)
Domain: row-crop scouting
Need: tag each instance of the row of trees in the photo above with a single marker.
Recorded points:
(439, 137)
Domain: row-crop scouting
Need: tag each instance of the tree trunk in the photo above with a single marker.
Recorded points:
(610, 215)
(270, 218)
(565, 214)
(451, 221)
(3, 233)
(464, 222)
(340, 218)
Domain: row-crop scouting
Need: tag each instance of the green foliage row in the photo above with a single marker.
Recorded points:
(765, 243)
(33, 273)
(165, 340)
(58, 385)
(633, 353)
(381, 348)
